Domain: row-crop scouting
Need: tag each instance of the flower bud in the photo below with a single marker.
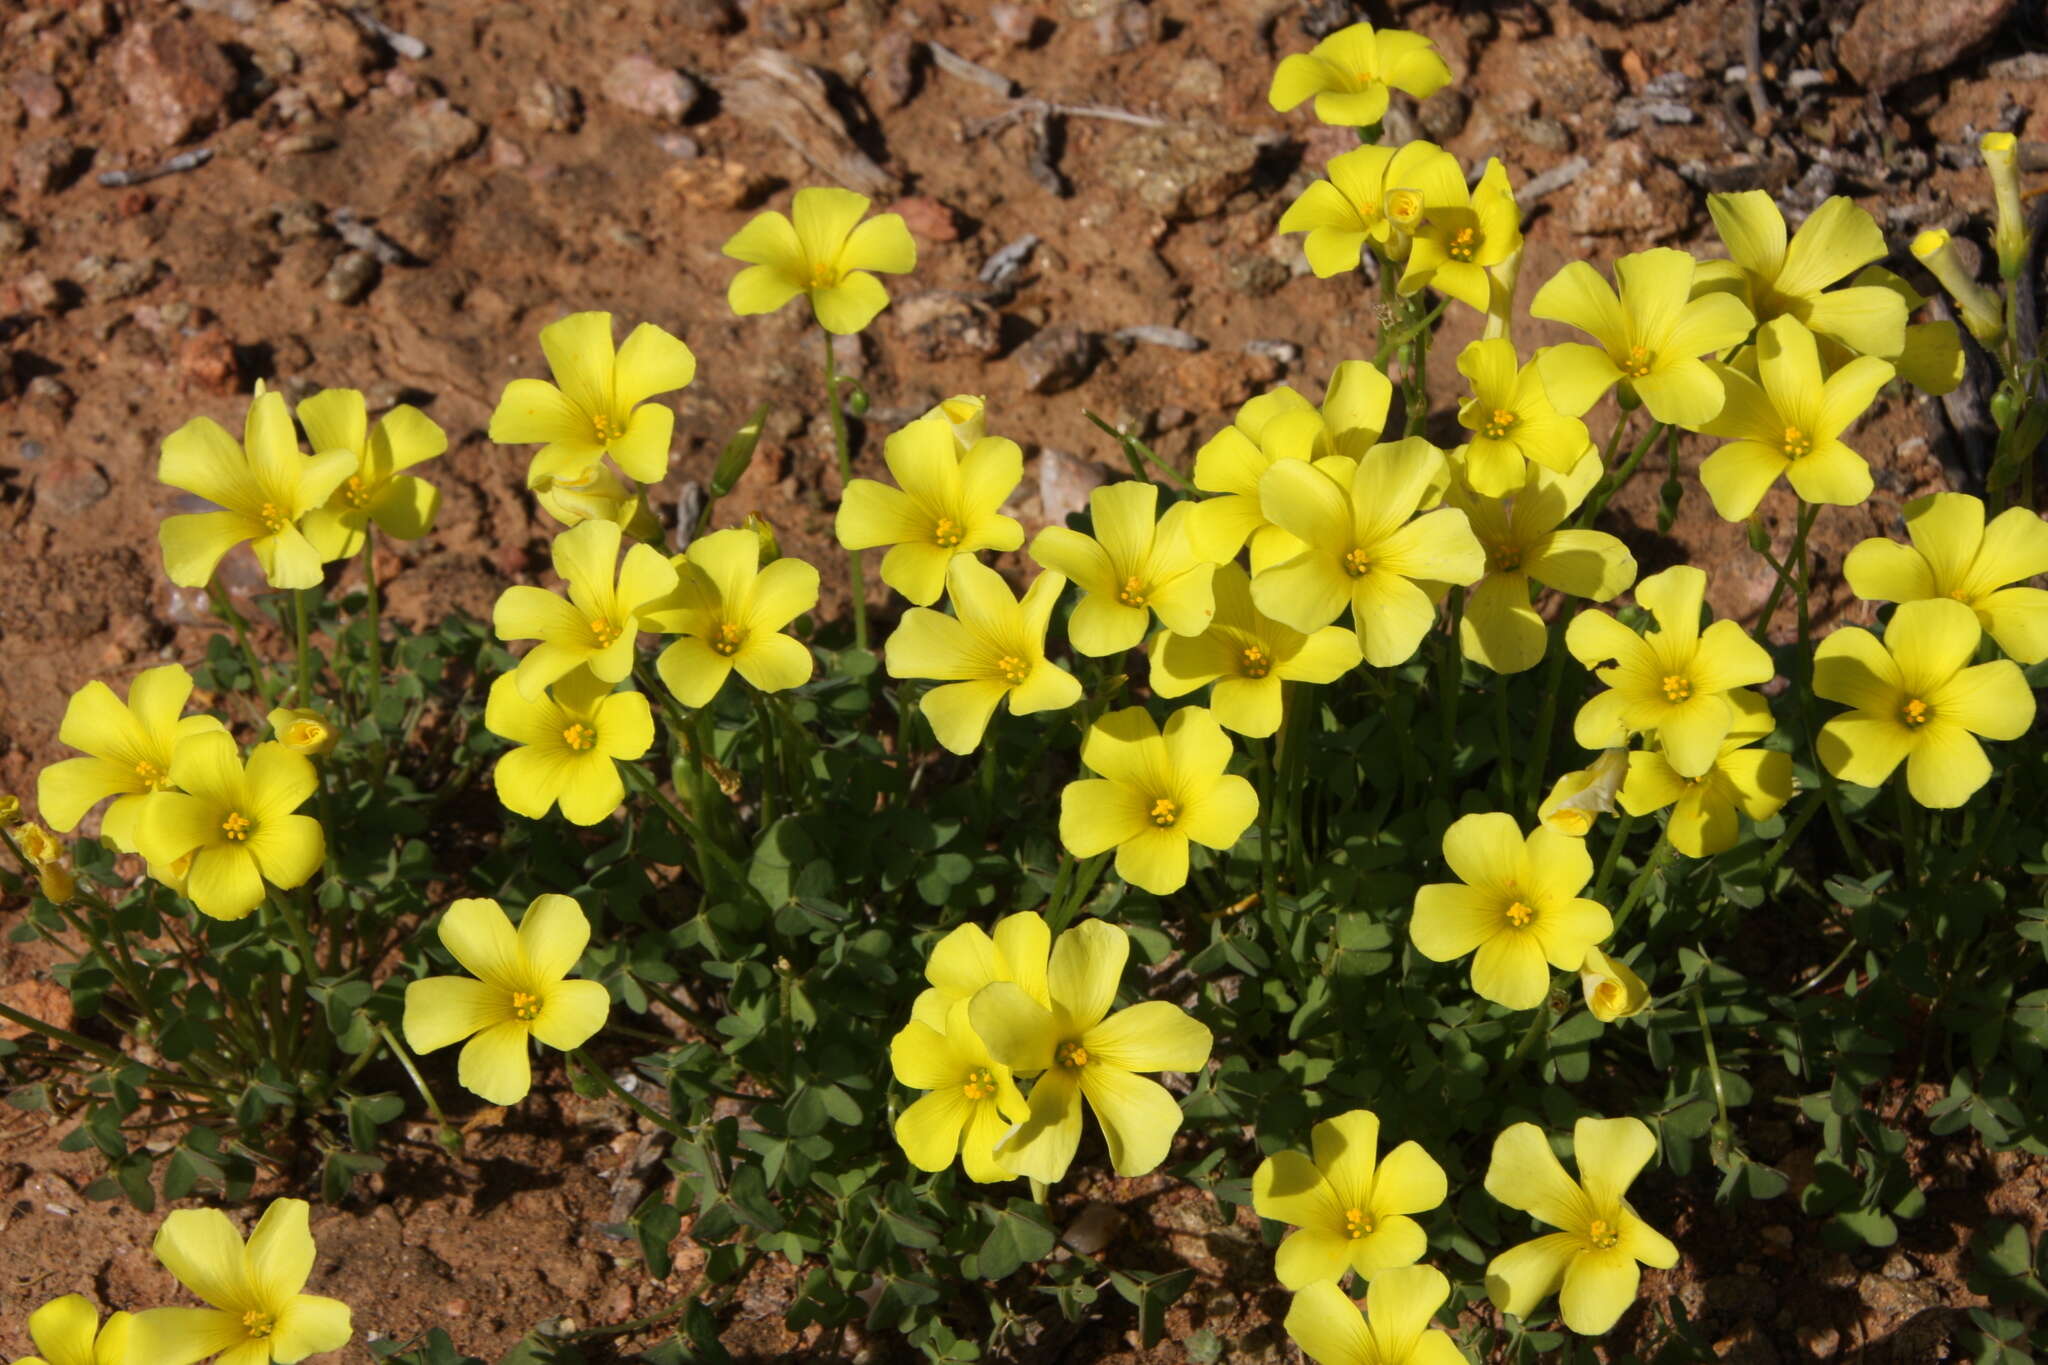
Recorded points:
(2001, 158)
(1404, 209)
(1612, 990)
(738, 454)
(10, 811)
(302, 730)
(1759, 534)
(593, 494)
(1580, 797)
(1500, 305)
(771, 548)
(56, 882)
(1977, 304)
(38, 845)
(966, 413)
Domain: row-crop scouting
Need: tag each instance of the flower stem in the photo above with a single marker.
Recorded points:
(1504, 738)
(1623, 824)
(374, 609)
(1449, 681)
(224, 606)
(1794, 557)
(1659, 856)
(1546, 715)
(445, 1132)
(856, 576)
(771, 771)
(302, 613)
(1611, 482)
(626, 1097)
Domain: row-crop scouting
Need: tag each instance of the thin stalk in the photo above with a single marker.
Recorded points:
(1699, 1005)
(856, 576)
(301, 612)
(1504, 739)
(1793, 829)
(1085, 877)
(631, 1101)
(309, 960)
(445, 1134)
(1268, 783)
(1546, 714)
(1539, 1028)
(771, 763)
(1449, 682)
(1795, 558)
(1611, 482)
(1139, 454)
(373, 607)
(1622, 825)
(1909, 831)
(1659, 856)
(224, 606)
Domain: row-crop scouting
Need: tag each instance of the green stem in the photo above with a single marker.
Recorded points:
(1795, 558)
(445, 1132)
(1060, 915)
(1659, 856)
(300, 610)
(1539, 1028)
(1793, 829)
(1449, 679)
(309, 960)
(1546, 714)
(1622, 825)
(224, 605)
(856, 576)
(1139, 454)
(1699, 1005)
(1611, 483)
(632, 1102)
(1909, 832)
(1504, 739)
(374, 608)
(771, 770)
(1268, 781)
(637, 776)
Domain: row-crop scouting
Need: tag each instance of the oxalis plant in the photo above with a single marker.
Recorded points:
(1313, 827)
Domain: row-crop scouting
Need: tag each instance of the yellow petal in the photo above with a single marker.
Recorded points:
(310, 1324)
(1138, 1116)
(850, 305)
(1153, 1035)
(651, 362)
(441, 1010)
(202, 1249)
(1598, 1288)
(580, 354)
(571, 1013)
(494, 1064)
(881, 243)
(194, 543)
(1328, 1326)
(1525, 1174)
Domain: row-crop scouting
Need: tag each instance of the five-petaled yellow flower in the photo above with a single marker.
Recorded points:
(1652, 335)
(1365, 547)
(401, 504)
(236, 823)
(1674, 681)
(1790, 423)
(730, 611)
(1131, 567)
(1778, 278)
(597, 405)
(67, 1331)
(1280, 425)
(1590, 1263)
(1459, 245)
(571, 740)
(259, 1311)
(1918, 700)
(1956, 554)
(598, 624)
(991, 650)
(519, 993)
(1394, 1329)
(1525, 539)
(263, 486)
(826, 253)
(129, 748)
(1754, 782)
(1611, 987)
(1515, 906)
(1249, 656)
(1373, 195)
(971, 1103)
(970, 957)
(946, 504)
(1512, 421)
(1156, 791)
(1350, 72)
(1081, 1051)
(1350, 1210)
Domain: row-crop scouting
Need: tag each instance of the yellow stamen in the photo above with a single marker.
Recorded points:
(1602, 1233)
(823, 276)
(1520, 915)
(1013, 670)
(607, 634)
(1959, 595)
(946, 533)
(1357, 1223)
(601, 425)
(1165, 812)
(1677, 688)
(1254, 662)
(525, 1006)
(726, 639)
(580, 737)
(1638, 363)
(1071, 1055)
(1797, 443)
(1132, 593)
(979, 1085)
(1403, 206)
(237, 826)
(272, 518)
(153, 777)
(353, 490)
(258, 1324)
(1915, 713)
(1504, 559)
(1356, 562)
(1464, 244)
(1499, 425)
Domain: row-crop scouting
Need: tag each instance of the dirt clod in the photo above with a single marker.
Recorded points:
(176, 78)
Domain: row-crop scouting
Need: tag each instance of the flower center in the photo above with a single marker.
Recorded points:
(237, 826)
(1797, 443)
(525, 1006)
(1959, 595)
(1357, 1223)
(1609, 995)
(1499, 425)
(1520, 915)
(1915, 713)
(607, 634)
(579, 737)
(353, 490)
(1677, 688)
(1013, 670)
(1464, 244)
(946, 533)
(1071, 1055)
(272, 518)
(1254, 662)
(1504, 559)
(1132, 593)
(1404, 206)
(1602, 1233)
(979, 1085)
(153, 777)
(726, 639)
(601, 424)
(823, 276)
(1165, 812)
(1638, 362)
(258, 1324)
(1356, 562)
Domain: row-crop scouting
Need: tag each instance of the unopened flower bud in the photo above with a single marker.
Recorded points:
(38, 845)
(56, 882)
(771, 548)
(1977, 304)
(1612, 990)
(302, 730)
(1580, 797)
(966, 413)
(2001, 159)
(10, 811)
(738, 454)
(1759, 534)
(1404, 209)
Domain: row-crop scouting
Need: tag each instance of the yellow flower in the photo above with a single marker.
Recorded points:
(1128, 569)
(1350, 1210)
(597, 405)
(1612, 989)
(1156, 791)
(1590, 1264)
(67, 1331)
(1579, 797)
(599, 623)
(129, 746)
(730, 611)
(1981, 310)
(990, 650)
(1512, 421)
(1524, 538)
(1350, 72)
(1652, 335)
(1778, 278)
(1085, 1052)
(595, 493)
(1756, 782)
(263, 487)
(947, 504)
(571, 741)
(1280, 425)
(238, 824)
(1248, 655)
(1459, 245)
(378, 489)
(259, 1311)
(1516, 907)
(519, 993)
(1790, 423)
(302, 730)
(1955, 554)
(1917, 700)
(1373, 195)
(972, 1104)
(826, 253)
(1365, 547)
(1932, 357)
(1395, 1328)
(1674, 681)
(967, 415)
(969, 958)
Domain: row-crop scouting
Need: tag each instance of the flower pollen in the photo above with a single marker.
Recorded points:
(1357, 1223)
(1520, 915)
(1602, 1233)
(580, 737)
(601, 425)
(1132, 593)
(1357, 562)
(607, 634)
(1071, 1055)
(1464, 244)
(1797, 443)
(1165, 812)
(237, 826)
(1638, 363)
(258, 1324)
(1012, 670)
(726, 639)
(354, 492)
(1677, 688)
(1504, 559)
(946, 533)
(980, 1084)
(1255, 662)
(1915, 713)
(153, 777)
(274, 520)
(525, 1006)
(1498, 425)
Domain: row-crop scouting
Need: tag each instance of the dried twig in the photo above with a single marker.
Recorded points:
(183, 161)
(953, 64)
